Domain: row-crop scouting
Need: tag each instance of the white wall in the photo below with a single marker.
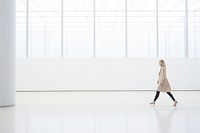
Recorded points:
(104, 74)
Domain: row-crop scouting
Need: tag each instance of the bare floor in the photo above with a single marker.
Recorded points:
(101, 112)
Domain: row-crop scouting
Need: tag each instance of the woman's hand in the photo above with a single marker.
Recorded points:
(159, 83)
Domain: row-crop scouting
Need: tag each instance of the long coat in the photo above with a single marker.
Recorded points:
(163, 84)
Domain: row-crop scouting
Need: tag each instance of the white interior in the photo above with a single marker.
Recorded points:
(104, 74)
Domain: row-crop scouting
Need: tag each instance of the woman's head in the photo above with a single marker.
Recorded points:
(162, 63)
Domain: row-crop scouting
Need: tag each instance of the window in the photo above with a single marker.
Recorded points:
(194, 28)
(110, 28)
(107, 28)
(141, 28)
(44, 29)
(78, 29)
(171, 16)
(21, 28)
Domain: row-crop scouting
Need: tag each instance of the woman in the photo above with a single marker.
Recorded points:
(163, 84)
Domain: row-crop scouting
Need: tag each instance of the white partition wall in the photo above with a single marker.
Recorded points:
(104, 74)
(7, 52)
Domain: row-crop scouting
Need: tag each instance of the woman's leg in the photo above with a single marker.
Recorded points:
(172, 97)
(156, 96)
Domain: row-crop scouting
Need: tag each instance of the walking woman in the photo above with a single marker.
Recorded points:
(163, 84)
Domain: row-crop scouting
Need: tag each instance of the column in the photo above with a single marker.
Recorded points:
(7, 52)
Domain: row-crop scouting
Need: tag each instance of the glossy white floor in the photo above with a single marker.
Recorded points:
(101, 112)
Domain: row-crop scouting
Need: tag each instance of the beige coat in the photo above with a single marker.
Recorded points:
(163, 84)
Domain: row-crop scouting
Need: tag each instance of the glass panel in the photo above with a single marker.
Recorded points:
(141, 28)
(110, 28)
(78, 28)
(171, 28)
(45, 28)
(21, 28)
(194, 28)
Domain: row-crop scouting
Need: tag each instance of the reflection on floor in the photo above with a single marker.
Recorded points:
(101, 112)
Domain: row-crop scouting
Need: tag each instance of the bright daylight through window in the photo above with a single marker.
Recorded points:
(107, 28)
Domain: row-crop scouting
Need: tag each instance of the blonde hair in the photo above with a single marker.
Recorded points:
(162, 63)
